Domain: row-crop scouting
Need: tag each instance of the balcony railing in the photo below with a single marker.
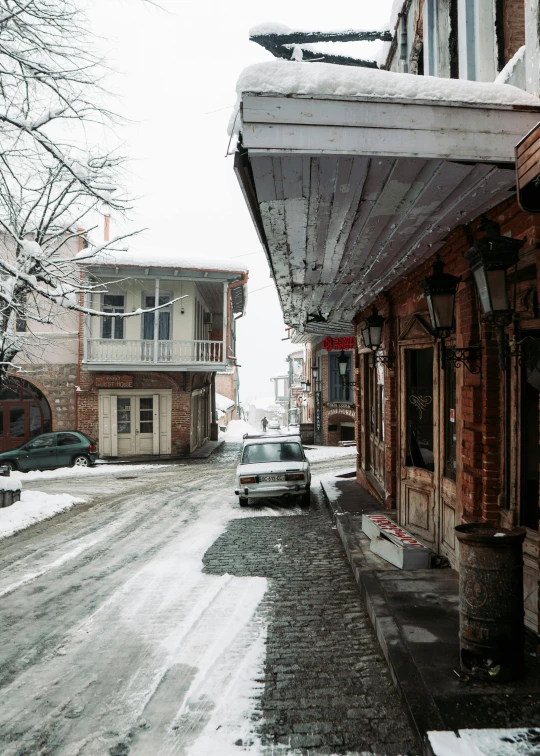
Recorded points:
(135, 351)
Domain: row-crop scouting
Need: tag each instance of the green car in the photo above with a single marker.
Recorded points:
(51, 450)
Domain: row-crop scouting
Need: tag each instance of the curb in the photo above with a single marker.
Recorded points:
(419, 705)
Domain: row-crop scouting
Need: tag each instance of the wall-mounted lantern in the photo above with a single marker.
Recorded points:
(372, 329)
(343, 366)
(491, 256)
(440, 290)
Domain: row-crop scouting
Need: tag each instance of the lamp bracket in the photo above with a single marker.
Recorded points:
(458, 356)
(386, 359)
(527, 356)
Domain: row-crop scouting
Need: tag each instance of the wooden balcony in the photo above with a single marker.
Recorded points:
(154, 355)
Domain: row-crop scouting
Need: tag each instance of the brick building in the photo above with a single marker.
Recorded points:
(328, 410)
(143, 385)
(356, 179)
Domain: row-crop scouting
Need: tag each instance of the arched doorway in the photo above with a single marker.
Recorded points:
(24, 413)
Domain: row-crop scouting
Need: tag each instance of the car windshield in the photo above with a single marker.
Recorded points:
(284, 452)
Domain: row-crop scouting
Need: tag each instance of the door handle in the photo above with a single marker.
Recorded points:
(137, 431)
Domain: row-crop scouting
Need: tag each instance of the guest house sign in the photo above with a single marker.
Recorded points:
(338, 342)
(113, 381)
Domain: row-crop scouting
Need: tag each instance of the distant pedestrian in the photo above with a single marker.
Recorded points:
(264, 423)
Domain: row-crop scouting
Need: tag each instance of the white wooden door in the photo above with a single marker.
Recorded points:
(125, 425)
(145, 424)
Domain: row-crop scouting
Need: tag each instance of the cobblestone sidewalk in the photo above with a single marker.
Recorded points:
(327, 689)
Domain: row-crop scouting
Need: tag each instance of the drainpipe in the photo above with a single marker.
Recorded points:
(241, 282)
(214, 427)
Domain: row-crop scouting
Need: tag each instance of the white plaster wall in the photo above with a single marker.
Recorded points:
(532, 56)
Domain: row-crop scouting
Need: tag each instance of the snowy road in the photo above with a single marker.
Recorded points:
(113, 640)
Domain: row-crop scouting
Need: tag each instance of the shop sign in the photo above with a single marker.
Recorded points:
(114, 381)
(340, 407)
(318, 417)
(339, 342)
(394, 544)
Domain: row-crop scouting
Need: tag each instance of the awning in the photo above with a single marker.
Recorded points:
(350, 193)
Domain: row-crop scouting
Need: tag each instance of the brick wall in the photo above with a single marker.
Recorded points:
(225, 385)
(483, 404)
(513, 27)
(181, 384)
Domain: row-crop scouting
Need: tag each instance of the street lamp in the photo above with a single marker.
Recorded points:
(343, 366)
(372, 328)
(491, 256)
(440, 290)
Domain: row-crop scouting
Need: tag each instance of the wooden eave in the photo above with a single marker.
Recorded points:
(349, 194)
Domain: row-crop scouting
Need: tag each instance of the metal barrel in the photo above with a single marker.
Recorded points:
(491, 614)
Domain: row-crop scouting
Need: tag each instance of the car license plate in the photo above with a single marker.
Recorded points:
(271, 478)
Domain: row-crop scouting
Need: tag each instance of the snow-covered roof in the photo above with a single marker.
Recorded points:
(162, 258)
(223, 403)
(283, 77)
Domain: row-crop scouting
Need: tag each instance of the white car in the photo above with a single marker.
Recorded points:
(273, 466)
(274, 425)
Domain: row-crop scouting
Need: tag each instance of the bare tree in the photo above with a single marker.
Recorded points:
(55, 172)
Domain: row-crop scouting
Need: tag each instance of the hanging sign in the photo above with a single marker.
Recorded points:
(337, 343)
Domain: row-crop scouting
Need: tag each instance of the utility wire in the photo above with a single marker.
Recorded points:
(262, 287)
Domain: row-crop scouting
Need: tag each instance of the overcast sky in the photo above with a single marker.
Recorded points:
(178, 69)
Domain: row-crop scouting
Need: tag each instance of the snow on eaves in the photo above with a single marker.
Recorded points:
(223, 403)
(507, 72)
(395, 12)
(288, 78)
(162, 258)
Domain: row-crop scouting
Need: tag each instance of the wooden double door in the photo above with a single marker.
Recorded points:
(134, 423)
(428, 464)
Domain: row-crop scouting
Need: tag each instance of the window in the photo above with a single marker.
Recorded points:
(113, 328)
(123, 415)
(450, 421)
(21, 326)
(419, 408)
(42, 442)
(67, 439)
(164, 318)
(337, 392)
(146, 415)
(286, 452)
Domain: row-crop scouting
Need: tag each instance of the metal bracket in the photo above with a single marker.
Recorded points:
(526, 351)
(386, 359)
(458, 356)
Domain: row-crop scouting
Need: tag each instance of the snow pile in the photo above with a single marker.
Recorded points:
(236, 429)
(318, 453)
(75, 472)
(33, 507)
(161, 258)
(10, 484)
(287, 78)
(485, 742)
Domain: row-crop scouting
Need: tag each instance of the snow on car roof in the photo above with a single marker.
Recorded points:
(250, 440)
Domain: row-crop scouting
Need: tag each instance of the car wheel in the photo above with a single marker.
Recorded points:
(10, 465)
(80, 461)
(305, 499)
(243, 501)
